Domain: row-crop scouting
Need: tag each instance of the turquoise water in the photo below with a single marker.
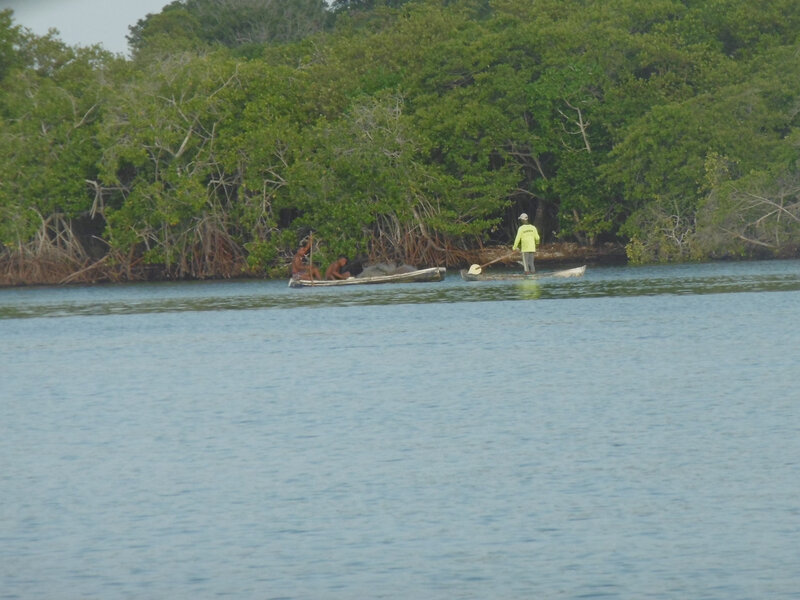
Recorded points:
(631, 434)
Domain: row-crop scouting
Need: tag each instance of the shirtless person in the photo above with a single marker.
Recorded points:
(300, 270)
(335, 269)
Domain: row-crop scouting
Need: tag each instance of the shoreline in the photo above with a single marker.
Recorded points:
(548, 254)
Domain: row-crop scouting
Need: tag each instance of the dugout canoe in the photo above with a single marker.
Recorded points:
(420, 275)
(575, 272)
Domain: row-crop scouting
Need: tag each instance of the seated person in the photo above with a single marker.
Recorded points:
(300, 270)
(335, 269)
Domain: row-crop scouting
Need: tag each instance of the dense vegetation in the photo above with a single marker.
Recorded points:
(411, 130)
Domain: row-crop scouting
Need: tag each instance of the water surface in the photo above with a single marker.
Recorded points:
(630, 434)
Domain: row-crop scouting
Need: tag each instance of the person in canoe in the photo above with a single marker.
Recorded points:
(334, 270)
(301, 269)
(526, 240)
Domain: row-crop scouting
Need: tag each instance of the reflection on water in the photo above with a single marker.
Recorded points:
(693, 279)
(528, 289)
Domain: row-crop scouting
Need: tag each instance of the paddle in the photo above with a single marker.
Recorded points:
(476, 269)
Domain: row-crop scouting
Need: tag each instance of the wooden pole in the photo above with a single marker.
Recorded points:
(311, 256)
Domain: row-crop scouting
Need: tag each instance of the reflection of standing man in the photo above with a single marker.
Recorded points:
(526, 240)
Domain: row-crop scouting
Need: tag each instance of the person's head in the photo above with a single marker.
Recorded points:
(342, 259)
(523, 217)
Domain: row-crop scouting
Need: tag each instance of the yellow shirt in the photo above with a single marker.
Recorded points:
(528, 237)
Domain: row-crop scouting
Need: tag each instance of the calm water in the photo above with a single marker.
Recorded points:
(631, 434)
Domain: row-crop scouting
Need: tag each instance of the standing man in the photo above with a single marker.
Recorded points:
(526, 240)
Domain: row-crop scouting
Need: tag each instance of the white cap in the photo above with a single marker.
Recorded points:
(523, 217)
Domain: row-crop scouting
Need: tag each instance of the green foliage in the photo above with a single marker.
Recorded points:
(172, 31)
(663, 158)
(345, 6)
(161, 177)
(10, 37)
(661, 231)
(757, 214)
(408, 130)
(356, 173)
(186, 24)
(51, 105)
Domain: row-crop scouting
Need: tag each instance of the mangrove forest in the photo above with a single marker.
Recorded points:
(409, 130)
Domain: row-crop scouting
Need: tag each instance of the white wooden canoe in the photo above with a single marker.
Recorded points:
(431, 274)
(576, 272)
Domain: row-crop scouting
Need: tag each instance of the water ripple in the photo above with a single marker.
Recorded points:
(643, 443)
(725, 278)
